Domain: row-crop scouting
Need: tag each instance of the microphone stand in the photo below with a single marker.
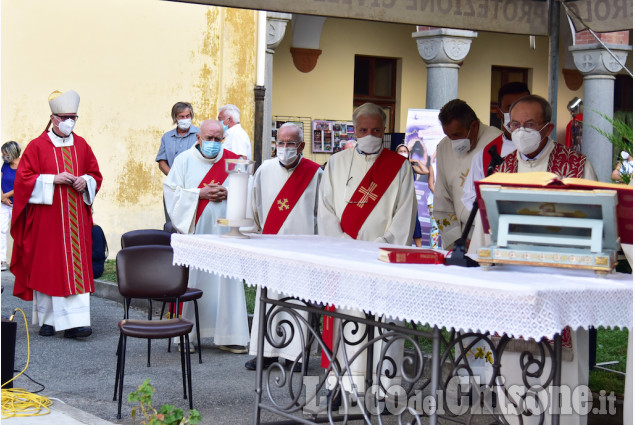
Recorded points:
(458, 257)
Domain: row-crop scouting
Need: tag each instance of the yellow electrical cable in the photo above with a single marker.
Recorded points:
(19, 402)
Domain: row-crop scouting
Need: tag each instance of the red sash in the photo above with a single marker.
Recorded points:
(327, 336)
(370, 191)
(289, 196)
(366, 196)
(486, 156)
(217, 175)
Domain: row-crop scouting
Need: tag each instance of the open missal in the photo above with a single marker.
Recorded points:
(546, 180)
(411, 255)
(540, 220)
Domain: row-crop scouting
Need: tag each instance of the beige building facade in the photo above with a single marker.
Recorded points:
(130, 61)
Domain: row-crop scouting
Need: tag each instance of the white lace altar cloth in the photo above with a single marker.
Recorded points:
(520, 300)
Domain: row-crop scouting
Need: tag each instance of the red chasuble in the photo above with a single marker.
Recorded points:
(289, 196)
(563, 161)
(52, 249)
(217, 175)
(370, 191)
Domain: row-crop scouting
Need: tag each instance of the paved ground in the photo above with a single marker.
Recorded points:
(79, 374)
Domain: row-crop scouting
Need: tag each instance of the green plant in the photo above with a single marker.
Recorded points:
(621, 137)
(168, 415)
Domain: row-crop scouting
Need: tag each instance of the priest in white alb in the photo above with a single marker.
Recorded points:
(367, 193)
(195, 197)
(284, 202)
(465, 136)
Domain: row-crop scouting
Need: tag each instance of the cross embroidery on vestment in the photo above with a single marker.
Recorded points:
(367, 193)
(283, 204)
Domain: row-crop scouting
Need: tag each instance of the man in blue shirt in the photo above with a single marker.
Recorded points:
(177, 140)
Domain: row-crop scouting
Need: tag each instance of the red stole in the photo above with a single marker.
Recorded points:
(370, 191)
(289, 195)
(563, 162)
(216, 175)
(498, 142)
(52, 251)
(365, 198)
(327, 336)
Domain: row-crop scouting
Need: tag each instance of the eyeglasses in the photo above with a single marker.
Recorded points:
(66, 117)
(530, 125)
(289, 144)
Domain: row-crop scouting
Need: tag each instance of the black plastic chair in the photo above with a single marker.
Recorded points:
(147, 272)
(162, 237)
(145, 237)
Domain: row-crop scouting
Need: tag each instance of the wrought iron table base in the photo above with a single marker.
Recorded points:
(450, 372)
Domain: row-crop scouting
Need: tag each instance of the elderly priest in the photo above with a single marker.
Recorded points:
(367, 193)
(284, 202)
(195, 197)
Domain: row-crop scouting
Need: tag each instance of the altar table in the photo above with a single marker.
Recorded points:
(531, 302)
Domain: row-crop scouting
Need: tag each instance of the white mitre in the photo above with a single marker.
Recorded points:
(64, 103)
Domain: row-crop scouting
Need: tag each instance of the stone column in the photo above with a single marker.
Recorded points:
(598, 67)
(443, 50)
(276, 26)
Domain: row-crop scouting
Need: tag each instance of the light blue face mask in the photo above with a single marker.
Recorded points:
(225, 128)
(210, 148)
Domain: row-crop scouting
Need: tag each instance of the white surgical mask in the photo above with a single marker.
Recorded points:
(461, 146)
(287, 156)
(66, 127)
(369, 144)
(404, 154)
(527, 140)
(184, 124)
(624, 155)
(506, 118)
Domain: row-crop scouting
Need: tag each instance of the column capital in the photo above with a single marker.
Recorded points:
(444, 45)
(276, 26)
(594, 60)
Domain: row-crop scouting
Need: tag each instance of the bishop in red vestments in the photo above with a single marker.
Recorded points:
(55, 186)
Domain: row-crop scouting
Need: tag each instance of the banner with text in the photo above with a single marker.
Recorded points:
(508, 16)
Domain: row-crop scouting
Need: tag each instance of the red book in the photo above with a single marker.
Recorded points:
(411, 255)
(624, 210)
